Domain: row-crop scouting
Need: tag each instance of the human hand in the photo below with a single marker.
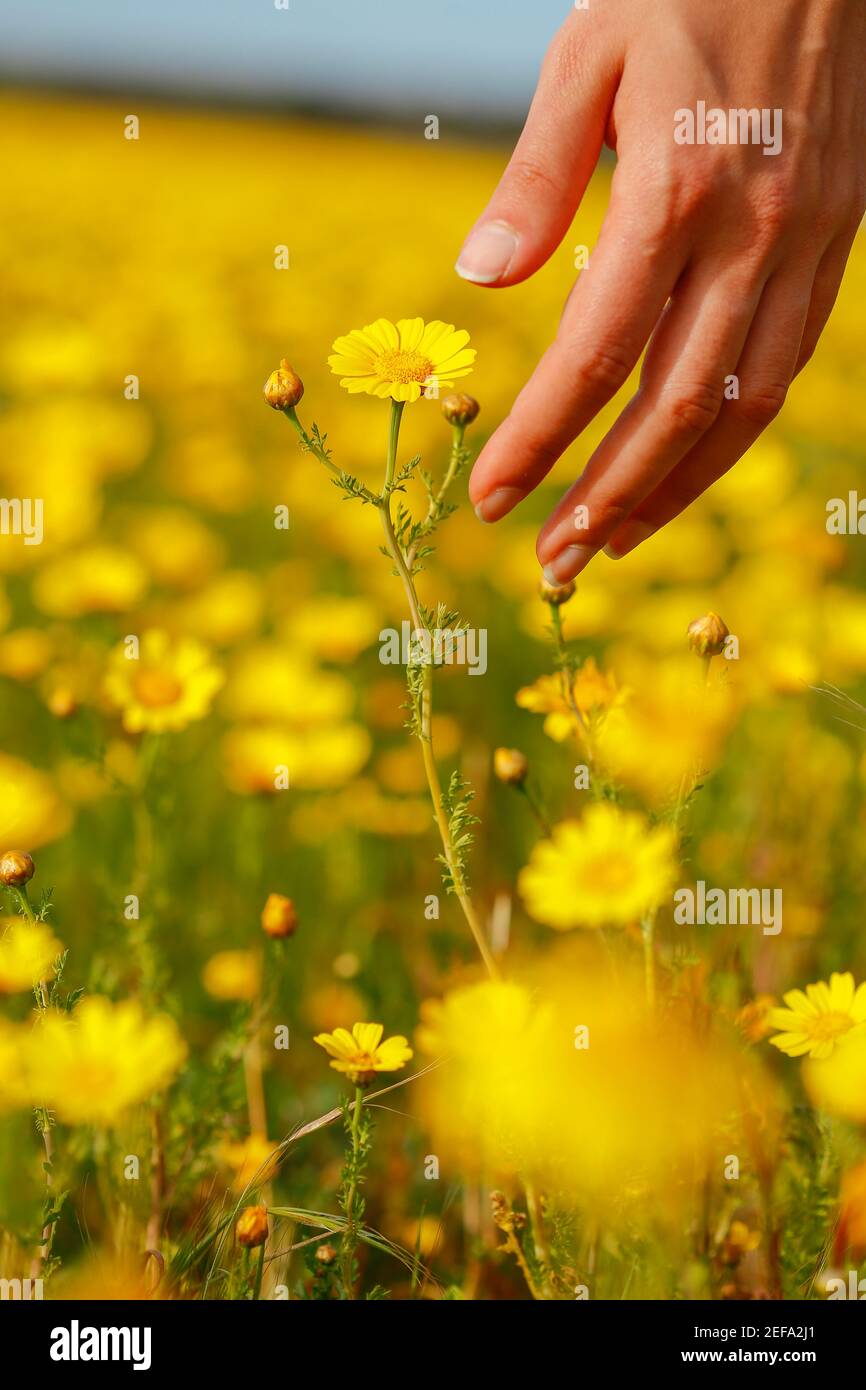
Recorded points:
(724, 258)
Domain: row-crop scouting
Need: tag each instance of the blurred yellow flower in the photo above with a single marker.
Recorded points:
(175, 546)
(104, 1276)
(333, 1005)
(260, 758)
(592, 691)
(400, 361)
(838, 1083)
(269, 683)
(99, 579)
(31, 811)
(227, 610)
(24, 653)
(27, 953)
(253, 1160)
(170, 684)
(13, 1090)
(359, 1055)
(817, 1022)
(606, 869)
(564, 1076)
(232, 975)
(92, 1065)
(334, 627)
(667, 732)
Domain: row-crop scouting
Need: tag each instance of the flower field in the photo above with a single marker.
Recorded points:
(524, 964)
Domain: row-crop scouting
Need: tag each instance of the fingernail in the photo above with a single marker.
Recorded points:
(487, 253)
(568, 563)
(629, 536)
(498, 503)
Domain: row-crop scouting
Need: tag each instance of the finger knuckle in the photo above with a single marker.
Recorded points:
(760, 402)
(692, 408)
(606, 516)
(690, 196)
(778, 208)
(606, 368)
(530, 178)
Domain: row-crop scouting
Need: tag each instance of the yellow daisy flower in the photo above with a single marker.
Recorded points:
(27, 953)
(593, 691)
(361, 1053)
(607, 869)
(169, 685)
(817, 1021)
(384, 359)
(91, 1066)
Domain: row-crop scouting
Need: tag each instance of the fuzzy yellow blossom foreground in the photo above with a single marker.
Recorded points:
(562, 1076)
(91, 1066)
(27, 952)
(819, 1020)
(608, 868)
(359, 1055)
(168, 685)
(384, 359)
(12, 1092)
(838, 1083)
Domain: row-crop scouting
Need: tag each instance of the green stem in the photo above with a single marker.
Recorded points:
(24, 902)
(318, 452)
(542, 1250)
(260, 1269)
(348, 1250)
(44, 1120)
(647, 928)
(567, 682)
(535, 807)
(430, 768)
(457, 433)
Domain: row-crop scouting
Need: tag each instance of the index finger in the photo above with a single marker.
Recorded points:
(607, 321)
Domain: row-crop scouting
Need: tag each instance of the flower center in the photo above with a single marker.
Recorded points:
(363, 1068)
(828, 1026)
(610, 873)
(156, 688)
(399, 365)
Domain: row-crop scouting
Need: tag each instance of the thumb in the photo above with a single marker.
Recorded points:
(538, 194)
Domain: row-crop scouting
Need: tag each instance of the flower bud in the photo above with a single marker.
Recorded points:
(279, 917)
(499, 1209)
(460, 409)
(62, 703)
(326, 1254)
(251, 1227)
(557, 594)
(511, 766)
(708, 635)
(16, 868)
(283, 387)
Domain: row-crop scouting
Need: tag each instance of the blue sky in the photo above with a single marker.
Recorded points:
(454, 56)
